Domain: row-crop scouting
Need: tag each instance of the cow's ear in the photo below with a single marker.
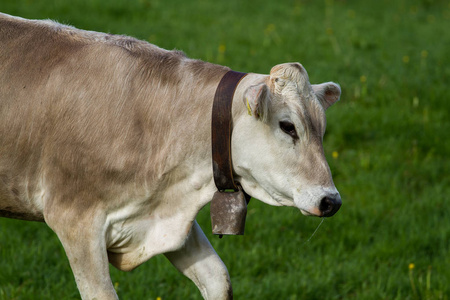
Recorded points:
(256, 98)
(328, 93)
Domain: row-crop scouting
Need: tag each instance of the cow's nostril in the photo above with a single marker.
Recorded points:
(329, 206)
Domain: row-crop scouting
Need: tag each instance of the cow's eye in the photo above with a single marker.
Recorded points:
(288, 128)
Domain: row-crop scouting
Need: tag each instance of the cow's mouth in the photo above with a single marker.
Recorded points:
(327, 208)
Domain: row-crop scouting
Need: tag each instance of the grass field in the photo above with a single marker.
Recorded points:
(387, 144)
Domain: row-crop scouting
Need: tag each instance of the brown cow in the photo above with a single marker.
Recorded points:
(107, 139)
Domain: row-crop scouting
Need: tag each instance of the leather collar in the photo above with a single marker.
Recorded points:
(221, 125)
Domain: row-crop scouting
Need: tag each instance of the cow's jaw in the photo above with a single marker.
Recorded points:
(284, 189)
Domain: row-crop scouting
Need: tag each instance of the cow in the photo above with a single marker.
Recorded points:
(107, 139)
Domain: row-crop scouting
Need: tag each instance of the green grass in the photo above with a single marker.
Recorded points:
(389, 134)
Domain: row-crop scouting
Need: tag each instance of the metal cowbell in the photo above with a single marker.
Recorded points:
(228, 212)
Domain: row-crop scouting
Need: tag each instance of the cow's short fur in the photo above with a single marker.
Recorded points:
(107, 139)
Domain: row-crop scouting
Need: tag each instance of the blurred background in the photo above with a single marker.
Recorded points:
(387, 143)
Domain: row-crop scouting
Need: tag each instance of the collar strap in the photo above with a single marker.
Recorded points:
(221, 131)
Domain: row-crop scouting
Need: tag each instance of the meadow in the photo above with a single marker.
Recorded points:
(387, 143)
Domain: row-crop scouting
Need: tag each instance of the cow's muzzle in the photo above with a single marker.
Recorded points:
(330, 205)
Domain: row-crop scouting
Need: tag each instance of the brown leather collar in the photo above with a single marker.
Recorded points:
(221, 131)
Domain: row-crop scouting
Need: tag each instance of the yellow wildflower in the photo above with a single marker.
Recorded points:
(335, 154)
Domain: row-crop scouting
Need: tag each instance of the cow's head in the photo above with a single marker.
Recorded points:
(277, 147)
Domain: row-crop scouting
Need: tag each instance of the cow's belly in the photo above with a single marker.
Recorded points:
(13, 205)
(21, 214)
(15, 212)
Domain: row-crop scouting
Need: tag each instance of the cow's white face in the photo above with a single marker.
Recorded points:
(277, 147)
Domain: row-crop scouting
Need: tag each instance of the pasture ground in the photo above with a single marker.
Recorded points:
(387, 143)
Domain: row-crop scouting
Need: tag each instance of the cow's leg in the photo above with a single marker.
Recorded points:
(200, 263)
(82, 235)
